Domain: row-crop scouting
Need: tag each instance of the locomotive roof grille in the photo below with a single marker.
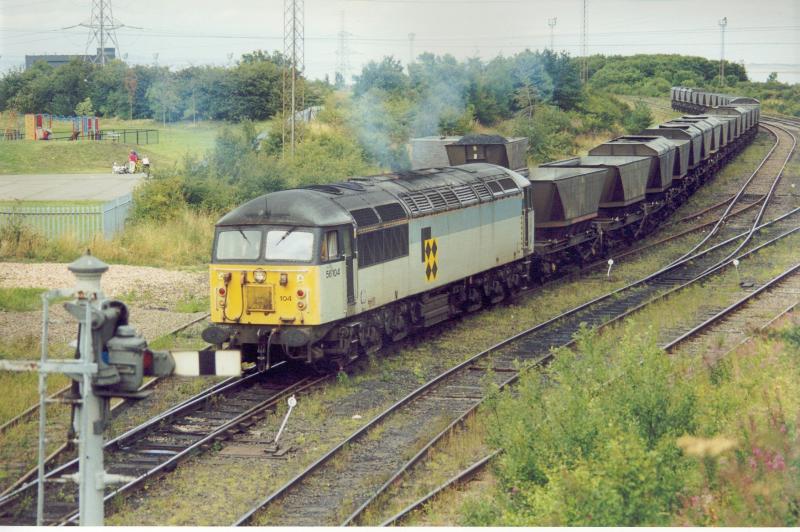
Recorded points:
(417, 202)
(391, 212)
(483, 191)
(437, 200)
(465, 194)
(450, 197)
(365, 217)
(509, 184)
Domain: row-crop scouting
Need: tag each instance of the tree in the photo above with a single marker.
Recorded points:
(163, 98)
(567, 91)
(388, 76)
(130, 86)
(85, 108)
(772, 78)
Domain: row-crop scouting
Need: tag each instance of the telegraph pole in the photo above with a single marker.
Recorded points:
(584, 48)
(294, 54)
(552, 23)
(722, 23)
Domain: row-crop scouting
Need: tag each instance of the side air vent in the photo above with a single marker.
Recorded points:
(391, 212)
(365, 217)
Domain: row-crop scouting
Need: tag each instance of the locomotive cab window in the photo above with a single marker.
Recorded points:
(291, 244)
(330, 246)
(238, 244)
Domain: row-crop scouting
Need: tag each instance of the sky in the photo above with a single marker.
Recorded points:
(764, 35)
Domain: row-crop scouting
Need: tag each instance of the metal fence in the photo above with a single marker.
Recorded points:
(130, 136)
(82, 221)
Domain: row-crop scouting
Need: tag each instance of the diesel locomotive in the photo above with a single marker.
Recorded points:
(329, 272)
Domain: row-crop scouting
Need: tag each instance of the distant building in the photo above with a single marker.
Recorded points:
(60, 60)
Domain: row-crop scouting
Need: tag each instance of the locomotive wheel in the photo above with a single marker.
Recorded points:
(371, 339)
(475, 299)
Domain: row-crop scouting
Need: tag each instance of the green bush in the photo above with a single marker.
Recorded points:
(549, 132)
(594, 444)
(158, 198)
(638, 119)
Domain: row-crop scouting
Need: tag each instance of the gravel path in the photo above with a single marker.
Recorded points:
(151, 294)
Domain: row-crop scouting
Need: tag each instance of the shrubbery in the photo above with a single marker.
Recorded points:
(617, 433)
(595, 442)
(182, 239)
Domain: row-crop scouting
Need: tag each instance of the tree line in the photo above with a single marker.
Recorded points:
(449, 91)
(249, 89)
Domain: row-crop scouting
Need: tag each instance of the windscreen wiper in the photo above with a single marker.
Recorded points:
(289, 232)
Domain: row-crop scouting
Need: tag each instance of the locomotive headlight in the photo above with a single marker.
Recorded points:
(260, 276)
(284, 279)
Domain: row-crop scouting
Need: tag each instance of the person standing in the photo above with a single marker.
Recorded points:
(132, 158)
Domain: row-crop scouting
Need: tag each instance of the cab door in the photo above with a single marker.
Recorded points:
(349, 266)
(527, 220)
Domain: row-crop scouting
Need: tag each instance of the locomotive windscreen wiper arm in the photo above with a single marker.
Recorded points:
(289, 232)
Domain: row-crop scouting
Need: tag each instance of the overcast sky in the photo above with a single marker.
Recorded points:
(764, 34)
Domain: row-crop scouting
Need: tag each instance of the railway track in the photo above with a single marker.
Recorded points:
(117, 407)
(33, 410)
(778, 296)
(761, 183)
(379, 450)
(163, 441)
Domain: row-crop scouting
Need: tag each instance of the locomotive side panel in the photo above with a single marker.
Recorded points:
(442, 249)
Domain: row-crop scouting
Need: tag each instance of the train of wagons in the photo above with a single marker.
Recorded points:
(326, 273)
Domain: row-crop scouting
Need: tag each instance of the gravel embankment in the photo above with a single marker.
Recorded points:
(151, 294)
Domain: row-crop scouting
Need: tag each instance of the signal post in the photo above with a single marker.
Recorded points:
(111, 361)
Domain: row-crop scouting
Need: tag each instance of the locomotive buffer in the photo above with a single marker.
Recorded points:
(113, 362)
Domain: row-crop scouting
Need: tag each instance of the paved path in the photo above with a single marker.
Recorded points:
(65, 187)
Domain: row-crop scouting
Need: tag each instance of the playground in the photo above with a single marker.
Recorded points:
(164, 146)
(47, 127)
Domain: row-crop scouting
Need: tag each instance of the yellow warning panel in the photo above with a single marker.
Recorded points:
(431, 259)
